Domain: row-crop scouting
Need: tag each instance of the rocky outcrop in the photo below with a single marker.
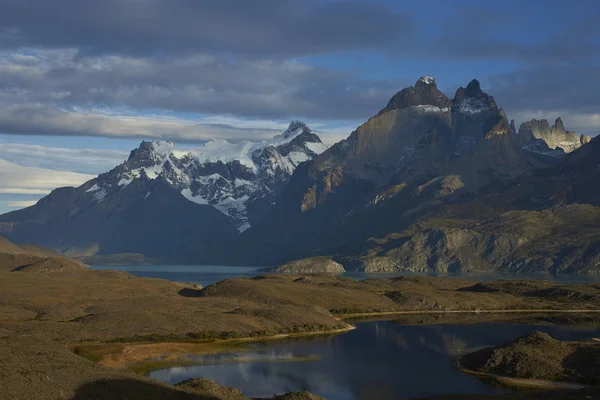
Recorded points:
(424, 93)
(311, 265)
(539, 137)
(446, 250)
(539, 356)
(420, 152)
(517, 241)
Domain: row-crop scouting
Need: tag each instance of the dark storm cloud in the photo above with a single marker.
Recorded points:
(575, 88)
(250, 28)
(484, 33)
(60, 60)
(200, 84)
(570, 92)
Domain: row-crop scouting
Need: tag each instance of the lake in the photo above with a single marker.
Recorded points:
(207, 274)
(379, 360)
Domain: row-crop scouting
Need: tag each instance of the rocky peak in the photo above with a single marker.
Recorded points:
(556, 137)
(149, 153)
(585, 139)
(426, 80)
(472, 100)
(559, 125)
(424, 92)
(294, 128)
(473, 88)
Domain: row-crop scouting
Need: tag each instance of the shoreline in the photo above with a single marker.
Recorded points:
(145, 357)
(342, 317)
(167, 354)
(521, 382)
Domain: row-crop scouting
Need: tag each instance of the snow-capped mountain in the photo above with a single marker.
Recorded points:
(228, 176)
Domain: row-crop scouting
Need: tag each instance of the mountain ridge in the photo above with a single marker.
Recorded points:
(419, 167)
(137, 205)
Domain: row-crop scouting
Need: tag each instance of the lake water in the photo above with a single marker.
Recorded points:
(379, 360)
(207, 274)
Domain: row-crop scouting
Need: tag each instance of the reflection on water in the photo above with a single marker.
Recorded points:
(378, 360)
(207, 274)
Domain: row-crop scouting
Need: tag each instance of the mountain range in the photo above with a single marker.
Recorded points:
(167, 203)
(429, 183)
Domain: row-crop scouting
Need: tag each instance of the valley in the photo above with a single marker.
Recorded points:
(299, 200)
(101, 325)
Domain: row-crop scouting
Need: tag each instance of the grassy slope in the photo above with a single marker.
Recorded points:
(539, 356)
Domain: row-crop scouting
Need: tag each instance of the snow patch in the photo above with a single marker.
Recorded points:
(243, 226)
(472, 106)
(187, 193)
(316, 148)
(224, 151)
(297, 157)
(93, 188)
(235, 209)
(428, 80)
(430, 108)
(124, 182)
(163, 147)
(100, 195)
(242, 182)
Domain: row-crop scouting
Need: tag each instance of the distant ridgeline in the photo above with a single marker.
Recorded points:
(428, 184)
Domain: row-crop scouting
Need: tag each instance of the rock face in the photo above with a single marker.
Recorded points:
(539, 137)
(167, 203)
(425, 92)
(517, 241)
(421, 151)
(311, 265)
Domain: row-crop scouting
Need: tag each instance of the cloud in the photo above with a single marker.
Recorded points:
(103, 67)
(267, 28)
(88, 161)
(16, 179)
(567, 36)
(56, 92)
(203, 84)
(552, 91)
(47, 120)
(20, 204)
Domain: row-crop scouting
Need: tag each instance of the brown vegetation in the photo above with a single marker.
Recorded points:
(63, 326)
(539, 356)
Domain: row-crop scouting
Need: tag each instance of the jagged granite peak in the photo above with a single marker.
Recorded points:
(294, 127)
(424, 93)
(585, 139)
(513, 128)
(148, 153)
(557, 140)
(472, 100)
(427, 80)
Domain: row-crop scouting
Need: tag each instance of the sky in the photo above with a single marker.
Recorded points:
(82, 82)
